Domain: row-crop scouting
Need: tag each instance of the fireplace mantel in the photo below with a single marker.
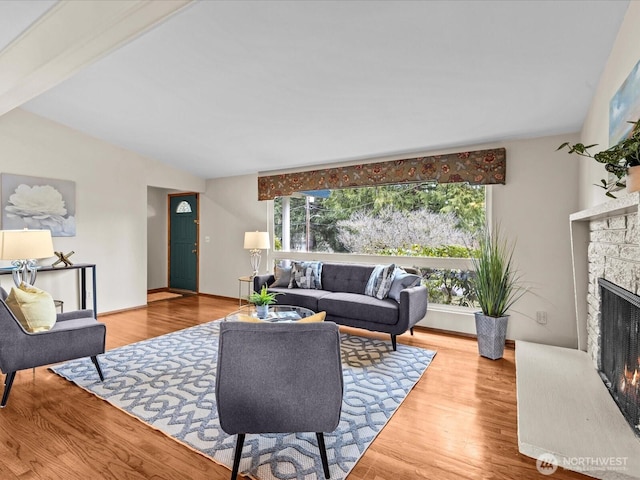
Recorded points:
(620, 206)
(579, 224)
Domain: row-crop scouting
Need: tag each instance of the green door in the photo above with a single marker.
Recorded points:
(183, 242)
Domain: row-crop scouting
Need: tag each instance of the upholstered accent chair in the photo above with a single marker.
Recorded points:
(75, 335)
(279, 378)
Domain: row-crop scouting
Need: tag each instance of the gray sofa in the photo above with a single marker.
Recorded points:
(342, 297)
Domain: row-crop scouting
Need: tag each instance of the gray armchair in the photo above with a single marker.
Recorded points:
(279, 378)
(75, 335)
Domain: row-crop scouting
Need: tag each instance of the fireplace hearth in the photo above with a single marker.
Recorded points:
(620, 348)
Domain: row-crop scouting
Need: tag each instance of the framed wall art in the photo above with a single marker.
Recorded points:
(625, 107)
(39, 203)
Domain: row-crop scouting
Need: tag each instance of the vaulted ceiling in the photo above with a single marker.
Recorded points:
(222, 88)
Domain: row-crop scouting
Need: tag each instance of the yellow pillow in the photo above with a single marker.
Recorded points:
(249, 318)
(34, 308)
(318, 317)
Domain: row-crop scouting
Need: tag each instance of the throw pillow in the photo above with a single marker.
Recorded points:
(249, 319)
(306, 275)
(402, 280)
(380, 281)
(282, 277)
(34, 308)
(318, 317)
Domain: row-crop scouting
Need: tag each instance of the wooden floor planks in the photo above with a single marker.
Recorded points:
(459, 422)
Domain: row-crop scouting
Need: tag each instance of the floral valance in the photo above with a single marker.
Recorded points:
(479, 167)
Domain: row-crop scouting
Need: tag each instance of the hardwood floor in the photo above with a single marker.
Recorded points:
(459, 422)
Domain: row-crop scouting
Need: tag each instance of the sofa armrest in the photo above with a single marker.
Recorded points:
(260, 280)
(61, 317)
(413, 306)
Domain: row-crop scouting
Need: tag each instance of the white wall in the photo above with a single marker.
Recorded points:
(229, 207)
(624, 55)
(157, 238)
(111, 203)
(533, 208)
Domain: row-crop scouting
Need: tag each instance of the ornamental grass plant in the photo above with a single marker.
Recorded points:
(497, 283)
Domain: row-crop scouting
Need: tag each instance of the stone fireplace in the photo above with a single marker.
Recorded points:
(613, 304)
(613, 254)
(620, 349)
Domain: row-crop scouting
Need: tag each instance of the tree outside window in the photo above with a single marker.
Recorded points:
(414, 220)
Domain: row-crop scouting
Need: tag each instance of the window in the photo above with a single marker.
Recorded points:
(422, 219)
(183, 207)
(419, 220)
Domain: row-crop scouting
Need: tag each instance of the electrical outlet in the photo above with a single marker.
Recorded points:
(89, 295)
(541, 317)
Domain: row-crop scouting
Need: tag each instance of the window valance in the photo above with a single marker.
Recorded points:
(479, 167)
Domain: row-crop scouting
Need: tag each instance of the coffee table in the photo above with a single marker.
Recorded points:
(277, 313)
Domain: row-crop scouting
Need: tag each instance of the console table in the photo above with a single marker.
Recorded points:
(82, 267)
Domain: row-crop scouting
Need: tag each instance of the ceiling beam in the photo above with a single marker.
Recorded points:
(70, 36)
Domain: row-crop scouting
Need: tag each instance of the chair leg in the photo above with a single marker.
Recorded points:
(323, 454)
(236, 457)
(94, 359)
(393, 342)
(7, 388)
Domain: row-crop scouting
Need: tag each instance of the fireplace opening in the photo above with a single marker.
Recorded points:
(619, 348)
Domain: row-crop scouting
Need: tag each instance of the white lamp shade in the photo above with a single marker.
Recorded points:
(256, 241)
(25, 244)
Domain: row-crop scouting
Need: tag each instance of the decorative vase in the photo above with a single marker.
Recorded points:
(492, 333)
(262, 310)
(633, 179)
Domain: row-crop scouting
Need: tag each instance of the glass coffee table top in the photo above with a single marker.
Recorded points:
(276, 313)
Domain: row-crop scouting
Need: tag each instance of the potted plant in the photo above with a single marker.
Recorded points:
(497, 287)
(262, 300)
(621, 160)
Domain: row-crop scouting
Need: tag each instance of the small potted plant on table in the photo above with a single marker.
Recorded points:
(262, 300)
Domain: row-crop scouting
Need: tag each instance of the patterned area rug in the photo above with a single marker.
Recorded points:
(168, 382)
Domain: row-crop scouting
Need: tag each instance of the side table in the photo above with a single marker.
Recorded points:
(249, 282)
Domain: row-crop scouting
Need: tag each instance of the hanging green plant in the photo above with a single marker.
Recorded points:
(617, 159)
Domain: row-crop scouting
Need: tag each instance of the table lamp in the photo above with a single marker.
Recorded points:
(23, 247)
(254, 242)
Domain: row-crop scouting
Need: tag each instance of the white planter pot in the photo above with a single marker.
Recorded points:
(492, 333)
(262, 311)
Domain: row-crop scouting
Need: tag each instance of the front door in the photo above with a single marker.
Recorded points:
(183, 241)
